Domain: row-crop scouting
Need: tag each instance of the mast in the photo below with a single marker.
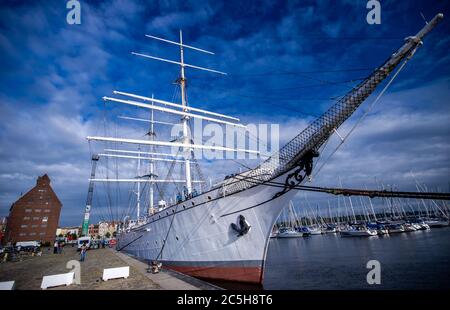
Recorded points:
(152, 134)
(185, 109)
(184, 119)
(371, 207)
(138, 193)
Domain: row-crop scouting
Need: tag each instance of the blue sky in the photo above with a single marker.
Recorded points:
(286, 62)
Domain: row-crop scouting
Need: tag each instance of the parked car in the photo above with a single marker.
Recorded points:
(28, 246)
(84, 240)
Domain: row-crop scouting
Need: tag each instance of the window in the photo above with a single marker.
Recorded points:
(35, 218)
(46, 202)
(42, 233)
(33, 234)
(44, 225)
(34, 226)
(22, 234)
(45, 219)
(37, 210)
(27, 210)
(23, 226)
(47, 210)
(26, 218)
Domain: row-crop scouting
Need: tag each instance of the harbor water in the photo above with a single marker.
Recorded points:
(413, 260)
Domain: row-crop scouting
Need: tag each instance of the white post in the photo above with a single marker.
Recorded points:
(187, 140)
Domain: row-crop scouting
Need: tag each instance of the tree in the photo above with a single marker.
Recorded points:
(108, 235)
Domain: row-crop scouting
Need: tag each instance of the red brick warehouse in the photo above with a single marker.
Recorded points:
(35, 215)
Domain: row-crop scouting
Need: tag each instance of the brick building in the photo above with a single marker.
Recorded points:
(35, 215)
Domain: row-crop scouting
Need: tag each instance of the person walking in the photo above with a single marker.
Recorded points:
(55, 247)
(83, 252)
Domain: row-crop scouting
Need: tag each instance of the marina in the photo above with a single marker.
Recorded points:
(409, 261)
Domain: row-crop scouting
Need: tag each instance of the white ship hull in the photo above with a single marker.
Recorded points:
(199, 239)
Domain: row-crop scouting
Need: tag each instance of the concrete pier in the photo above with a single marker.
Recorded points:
(28, 273)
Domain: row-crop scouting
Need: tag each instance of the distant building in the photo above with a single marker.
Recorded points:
(107, 227)
(66, 231)
(93, 230)
(35, 215)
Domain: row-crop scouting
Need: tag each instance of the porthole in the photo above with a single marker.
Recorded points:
(173, 210)
(193, 203)
(176, 237)
(209, 197)
(184, 207)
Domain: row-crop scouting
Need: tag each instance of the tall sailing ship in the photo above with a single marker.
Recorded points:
(222, 233)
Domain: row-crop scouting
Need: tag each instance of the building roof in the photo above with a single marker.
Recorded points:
(42, 181)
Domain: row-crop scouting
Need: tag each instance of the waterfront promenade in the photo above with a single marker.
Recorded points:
(28, 273)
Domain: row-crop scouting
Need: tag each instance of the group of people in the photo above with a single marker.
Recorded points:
(186, 194)
(58, 247)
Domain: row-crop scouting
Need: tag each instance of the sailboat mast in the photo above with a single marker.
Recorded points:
(184, 119)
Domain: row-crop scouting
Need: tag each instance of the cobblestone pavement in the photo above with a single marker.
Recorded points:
(28, 273)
